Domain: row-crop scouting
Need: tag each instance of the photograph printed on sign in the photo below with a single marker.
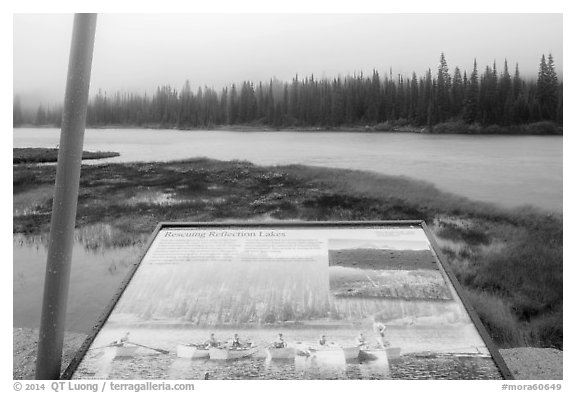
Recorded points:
(306, 303)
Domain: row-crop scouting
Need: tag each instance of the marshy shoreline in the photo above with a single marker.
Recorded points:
(509, 261)
(393, 126)
(31, 155)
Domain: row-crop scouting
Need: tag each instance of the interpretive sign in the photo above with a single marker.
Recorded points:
(290, 301)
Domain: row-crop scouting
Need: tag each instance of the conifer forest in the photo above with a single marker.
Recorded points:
(438, 101)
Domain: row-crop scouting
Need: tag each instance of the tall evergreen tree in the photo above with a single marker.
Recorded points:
(224, 114)
(457, 93)
(232, 106)
(443, 84)
(505, 96)
(548, 89)
(471, 114)
(541, 85)
(516, 83)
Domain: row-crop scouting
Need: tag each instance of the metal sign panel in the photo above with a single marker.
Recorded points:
(352, 300)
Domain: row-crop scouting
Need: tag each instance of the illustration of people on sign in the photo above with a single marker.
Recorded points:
(122, 340)
(236, 341)
(380, 330)
(212, 342)
(280, 342)
(361, 340)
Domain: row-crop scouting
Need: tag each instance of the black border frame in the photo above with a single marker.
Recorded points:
(492, 349)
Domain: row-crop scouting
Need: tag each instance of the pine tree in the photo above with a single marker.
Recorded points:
(414, 98)
(431, 115)
(457, 93)
(505, 94)
(471, 114)
(547, 89)
(425, 98)
(293, 108)
(184, 118)
(40, 116)
(232, 106)
(17, 118)
(260, 102)
(443, 90)
(559, 110)
(541, 85)
(338, 103)
(224, 114)
(552, 90)
(271, 116)
(516, 83)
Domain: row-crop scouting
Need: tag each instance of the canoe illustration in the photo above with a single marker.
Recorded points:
(188, 351)
(123, 351)
(351, 353)
(281, 353)
(230, 353)
(371, 354)
(393, 352)
(329, 360)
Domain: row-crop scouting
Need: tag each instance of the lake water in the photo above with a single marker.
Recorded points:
(96, 275)
(507, 170)
(510, 171)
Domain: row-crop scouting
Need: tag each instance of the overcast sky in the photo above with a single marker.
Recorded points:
(140, 52)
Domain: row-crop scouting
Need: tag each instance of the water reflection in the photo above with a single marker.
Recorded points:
(98, 267)
(322, 365)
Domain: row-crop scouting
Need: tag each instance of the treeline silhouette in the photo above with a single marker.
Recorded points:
(439, 102)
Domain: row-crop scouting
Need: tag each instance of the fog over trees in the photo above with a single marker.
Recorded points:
(483, 98)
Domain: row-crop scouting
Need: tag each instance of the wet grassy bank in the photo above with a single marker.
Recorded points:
(29, 155)
(393, 126)
(509, 261)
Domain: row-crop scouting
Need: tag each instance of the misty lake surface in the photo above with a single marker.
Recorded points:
(510, 171)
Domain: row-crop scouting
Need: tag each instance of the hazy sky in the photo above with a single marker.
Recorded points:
(140, 52)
